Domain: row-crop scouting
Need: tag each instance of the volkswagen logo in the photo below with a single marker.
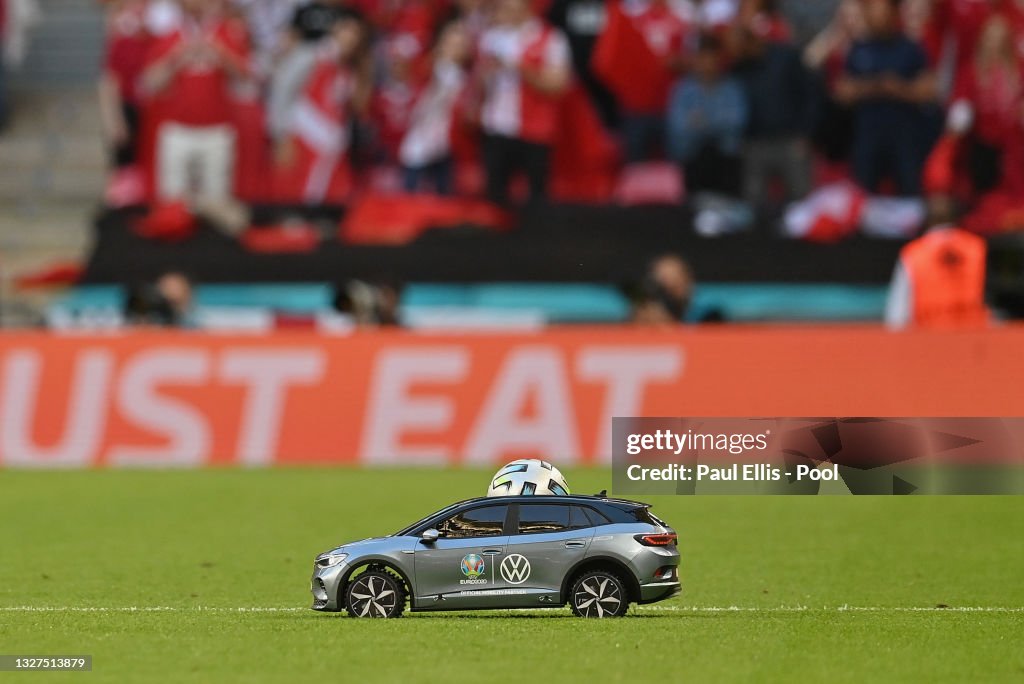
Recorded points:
(515, 568)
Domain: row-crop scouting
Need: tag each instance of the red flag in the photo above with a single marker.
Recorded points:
(167, 221)
(399, 219)
(940, 170)
(624, 62)
(59, 274)
(252, 163)
(319, 133)
(282, 239)
(585, 157)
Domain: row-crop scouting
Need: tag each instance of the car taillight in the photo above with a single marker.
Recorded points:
(664, 539)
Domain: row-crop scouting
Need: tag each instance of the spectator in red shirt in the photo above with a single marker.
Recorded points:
(312, 158)
(128, 43)
(667, 27)
(310, 30)
(989, 96)
(955, 26)
(426, 150)
(191, 70)
(414, 19)
(394, 98)
(1013, 10)
(524, 69)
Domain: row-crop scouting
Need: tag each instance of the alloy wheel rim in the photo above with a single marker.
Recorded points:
(598, 597)
(372, 597)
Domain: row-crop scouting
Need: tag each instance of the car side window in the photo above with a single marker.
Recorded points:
(577, 518)
(596, 517)
(486, 521)
(539, 518)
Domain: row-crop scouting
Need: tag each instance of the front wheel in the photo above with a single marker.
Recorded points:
(375, 594)
(599, 594)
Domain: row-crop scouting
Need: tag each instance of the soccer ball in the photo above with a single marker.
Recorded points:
(528, 476)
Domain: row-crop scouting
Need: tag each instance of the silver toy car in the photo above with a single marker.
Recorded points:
(595, 553)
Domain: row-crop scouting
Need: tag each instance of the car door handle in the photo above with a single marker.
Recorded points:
(575, 544)
(491, 552)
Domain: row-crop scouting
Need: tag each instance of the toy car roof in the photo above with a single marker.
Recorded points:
(598, 501)
(562, 498)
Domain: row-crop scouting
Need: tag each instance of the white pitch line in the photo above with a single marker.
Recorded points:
(837, 609)
(680, 609)
(148, 609)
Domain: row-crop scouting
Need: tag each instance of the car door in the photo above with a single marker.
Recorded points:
(459, 570)
(547, 541)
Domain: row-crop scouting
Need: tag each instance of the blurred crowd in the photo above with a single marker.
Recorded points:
(306, 102)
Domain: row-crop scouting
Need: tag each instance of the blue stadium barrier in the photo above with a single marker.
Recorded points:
(550, 302)
(554, 302)
(805, 302)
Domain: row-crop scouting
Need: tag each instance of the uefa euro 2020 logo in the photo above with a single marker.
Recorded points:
(473, 567)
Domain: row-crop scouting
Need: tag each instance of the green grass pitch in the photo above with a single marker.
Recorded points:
(216, 565)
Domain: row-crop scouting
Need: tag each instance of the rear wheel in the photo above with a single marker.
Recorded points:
(375, 594)
(599, 594)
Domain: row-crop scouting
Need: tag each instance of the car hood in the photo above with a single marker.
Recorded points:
(360, 544)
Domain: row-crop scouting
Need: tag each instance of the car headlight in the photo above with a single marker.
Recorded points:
(325, 560)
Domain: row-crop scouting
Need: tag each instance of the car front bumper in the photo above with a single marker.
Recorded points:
(324, 586)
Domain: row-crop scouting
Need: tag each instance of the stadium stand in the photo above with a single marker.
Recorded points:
(460, 145)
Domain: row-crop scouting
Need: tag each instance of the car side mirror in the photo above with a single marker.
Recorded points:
(429, 536)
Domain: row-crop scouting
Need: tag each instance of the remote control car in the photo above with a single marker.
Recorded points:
(595, 553)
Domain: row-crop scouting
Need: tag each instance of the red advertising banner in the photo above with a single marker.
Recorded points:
(154, 399)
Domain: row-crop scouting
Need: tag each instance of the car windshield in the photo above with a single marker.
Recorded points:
(408, 530)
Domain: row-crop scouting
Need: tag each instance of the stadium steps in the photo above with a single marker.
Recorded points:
(52, 152)
(66, 47)
(52, 174)
(53, 149)
(52, 162)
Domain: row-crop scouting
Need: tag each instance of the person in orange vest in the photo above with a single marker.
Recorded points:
(939, 281)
